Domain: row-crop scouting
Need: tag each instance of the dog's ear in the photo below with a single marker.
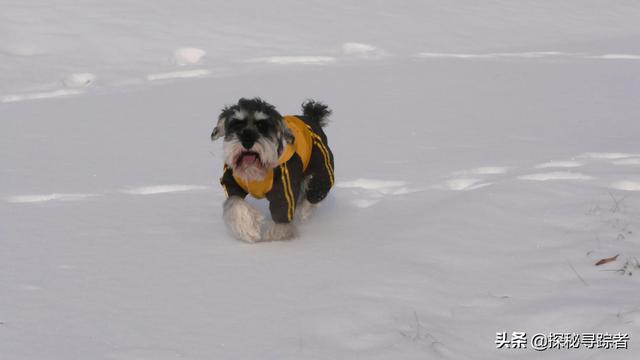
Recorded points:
(288, 135)
(218, 131)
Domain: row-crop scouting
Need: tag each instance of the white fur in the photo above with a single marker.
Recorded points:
(239, 114)
(231, 149)
(266, 149)
(243, 220)
(281, 231)
(306, 209)
(259, 115)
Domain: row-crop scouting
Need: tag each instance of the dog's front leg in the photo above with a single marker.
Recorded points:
(242, 219)
(281, 231)
(306, 210)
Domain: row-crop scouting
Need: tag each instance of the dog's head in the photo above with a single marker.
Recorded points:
(254, 137)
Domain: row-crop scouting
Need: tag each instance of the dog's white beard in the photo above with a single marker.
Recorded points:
(266, 149)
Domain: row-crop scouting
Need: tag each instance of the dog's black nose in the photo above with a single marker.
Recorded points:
(248, 138)
(248, 144)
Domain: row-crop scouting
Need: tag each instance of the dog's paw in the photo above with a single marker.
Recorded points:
(244, 221)
(280, 232)
(305, 210)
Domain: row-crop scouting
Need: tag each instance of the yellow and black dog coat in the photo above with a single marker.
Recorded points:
(308, 157)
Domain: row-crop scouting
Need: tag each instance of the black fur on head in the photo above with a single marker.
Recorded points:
(250, 118)
(255, 136)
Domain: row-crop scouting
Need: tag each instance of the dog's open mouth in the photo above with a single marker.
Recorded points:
(248, 158)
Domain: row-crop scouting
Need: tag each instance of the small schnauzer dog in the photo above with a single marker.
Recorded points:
(283, 158)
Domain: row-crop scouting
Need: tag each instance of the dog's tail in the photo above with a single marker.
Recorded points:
(316, 111)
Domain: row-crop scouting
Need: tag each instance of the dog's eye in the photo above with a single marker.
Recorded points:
(234, 124)
(262, 126)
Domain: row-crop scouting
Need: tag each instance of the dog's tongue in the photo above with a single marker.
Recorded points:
(249, 159)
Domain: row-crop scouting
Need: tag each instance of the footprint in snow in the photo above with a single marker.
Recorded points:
(626, 185)
(560, 164)
(614, 158)
(361, 50)
(370, 191)
(72, 85)
(617, 57)
(188, 56)
(195, 73)
(79, 80)
(162, 189)
(463, 184)
(608, 155)
(40, 95)
(555, 175)
(484, 56)
(294, 60)
(48, 197)
(486, 170)
(143, 190)
(472, 179)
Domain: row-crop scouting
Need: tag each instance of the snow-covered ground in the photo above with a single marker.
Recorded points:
(55, 49)
(487, 156)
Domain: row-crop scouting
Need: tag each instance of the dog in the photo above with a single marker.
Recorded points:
(285, 159)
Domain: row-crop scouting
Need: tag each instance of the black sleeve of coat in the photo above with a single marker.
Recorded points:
(229, 184)
(285, 189)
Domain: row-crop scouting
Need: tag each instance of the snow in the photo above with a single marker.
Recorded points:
(560, 164)
(608, 155)
(484, 164)
(464, 184)
(179, 74)
(79, 80)
(188, 56)
(555, 175)
(43, 95)
(619, 57)
(361, 50)
(162, 189)
(286, 60)
(632, 161)
(486, 170)
(528, 55)
(47, 197)
(626, 185)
